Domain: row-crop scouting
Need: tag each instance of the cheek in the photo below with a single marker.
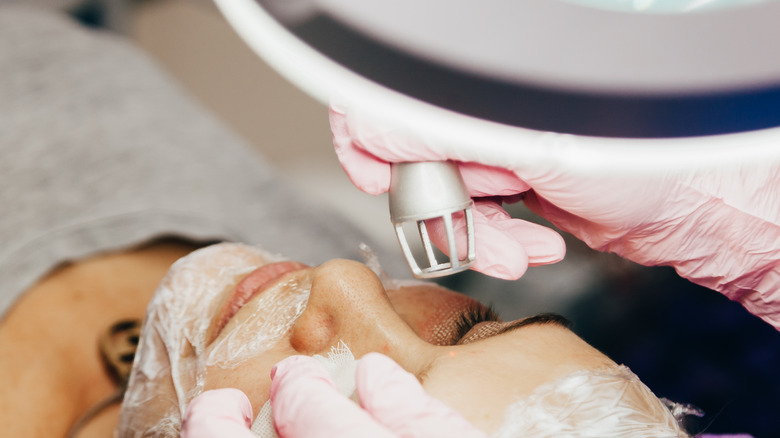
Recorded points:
(252, 376)
(255, 385)
(466, 382)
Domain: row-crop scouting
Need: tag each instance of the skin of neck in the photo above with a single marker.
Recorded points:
(50, 366)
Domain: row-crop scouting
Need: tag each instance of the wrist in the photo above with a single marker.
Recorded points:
(720, 247)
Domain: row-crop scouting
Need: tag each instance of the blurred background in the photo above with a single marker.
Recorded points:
(686, 343)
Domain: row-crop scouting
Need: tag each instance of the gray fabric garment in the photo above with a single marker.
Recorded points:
(100, 151)
(51, 4)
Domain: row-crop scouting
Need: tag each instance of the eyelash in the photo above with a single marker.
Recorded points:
(471, 317)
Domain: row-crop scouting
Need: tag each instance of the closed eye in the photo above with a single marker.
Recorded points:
(472, 316)
(541, 318)
(496, 327)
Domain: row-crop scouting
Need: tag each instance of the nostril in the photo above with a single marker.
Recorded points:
(314, 332)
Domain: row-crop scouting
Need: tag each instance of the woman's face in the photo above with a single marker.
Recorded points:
(226, 314)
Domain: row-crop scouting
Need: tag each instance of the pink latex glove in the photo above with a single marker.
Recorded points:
(307, 404)
(219, 413)
(718, 228)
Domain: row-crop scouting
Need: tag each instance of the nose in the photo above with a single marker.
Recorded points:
(348, 303)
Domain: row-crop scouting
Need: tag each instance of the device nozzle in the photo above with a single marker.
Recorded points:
(424, 191)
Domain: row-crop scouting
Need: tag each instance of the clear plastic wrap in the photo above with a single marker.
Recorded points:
(184, 339)
(176, 349)
(604, 403)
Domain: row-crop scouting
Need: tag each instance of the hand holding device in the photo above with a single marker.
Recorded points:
(717, 226)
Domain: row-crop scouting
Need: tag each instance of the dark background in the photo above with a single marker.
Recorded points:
(686, 342)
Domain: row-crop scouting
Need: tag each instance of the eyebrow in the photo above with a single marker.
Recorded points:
(541, 318)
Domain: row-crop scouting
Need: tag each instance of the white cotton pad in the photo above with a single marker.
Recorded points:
(340, 364)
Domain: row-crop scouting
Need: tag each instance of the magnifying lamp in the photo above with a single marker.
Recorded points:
(660, 87)
(589, 86)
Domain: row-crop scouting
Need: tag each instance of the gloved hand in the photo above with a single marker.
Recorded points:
(719, 227)
(505, 248)
(306, 403)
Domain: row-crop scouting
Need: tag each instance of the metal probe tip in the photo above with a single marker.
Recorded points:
(425, 191)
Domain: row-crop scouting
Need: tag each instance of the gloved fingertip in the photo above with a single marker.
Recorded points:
(376, 361)
(519, 242)
(306, 403)
(299, 374)
(498, 254)
(222, 397)
(364, 170)
(225, 403)
(293, 370)
(547, 248)
(375, 183)
(384, 385)
(504, 270)
(542, 244)
(283, 366)
(376, 368)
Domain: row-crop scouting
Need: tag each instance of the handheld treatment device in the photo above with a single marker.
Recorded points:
(428, 191)
(634, 86)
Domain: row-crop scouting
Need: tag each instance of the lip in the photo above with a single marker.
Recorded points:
(252, 285)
